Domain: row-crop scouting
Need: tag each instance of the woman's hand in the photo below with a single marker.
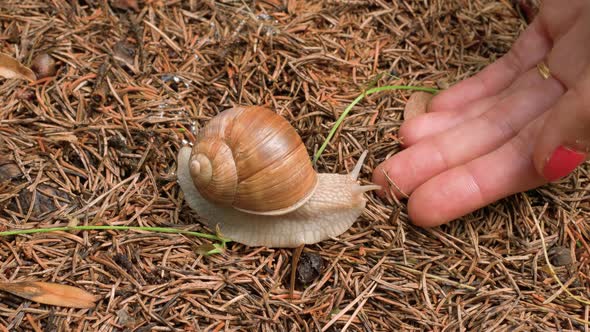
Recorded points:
(505, 130)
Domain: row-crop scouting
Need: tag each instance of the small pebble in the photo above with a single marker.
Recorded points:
(44, 65)
(309, 267)
(560, 256)
(443, 85)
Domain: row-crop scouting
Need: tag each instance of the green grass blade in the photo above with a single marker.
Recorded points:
(356, 101)
(218, 247)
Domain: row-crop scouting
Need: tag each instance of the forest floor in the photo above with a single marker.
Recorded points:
(95, 143)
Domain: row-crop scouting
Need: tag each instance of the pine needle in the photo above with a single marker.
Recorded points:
(546, 255)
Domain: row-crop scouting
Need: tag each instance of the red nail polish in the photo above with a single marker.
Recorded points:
(562, 162)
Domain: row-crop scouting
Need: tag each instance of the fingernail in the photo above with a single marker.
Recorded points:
(562, 162)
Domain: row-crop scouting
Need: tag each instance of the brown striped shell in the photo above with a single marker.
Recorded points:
(252, 159)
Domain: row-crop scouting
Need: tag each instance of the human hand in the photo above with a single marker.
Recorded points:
(504, 130)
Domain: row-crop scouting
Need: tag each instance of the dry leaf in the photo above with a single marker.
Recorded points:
(204, 249)
(124, 52)
(62, 137)
(417, 104)
(11, 68)
(125, 319)
(73, 222)
(125, 4)
(44, 199)
(50, 293)
(8, 170)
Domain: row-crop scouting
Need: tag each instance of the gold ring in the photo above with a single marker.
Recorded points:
(544, 70)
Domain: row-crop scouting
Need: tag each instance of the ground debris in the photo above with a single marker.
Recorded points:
(96, 142)
(560, 256)
(12, 68)
(309, 267)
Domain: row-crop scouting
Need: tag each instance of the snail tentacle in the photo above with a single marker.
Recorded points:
(359, 165)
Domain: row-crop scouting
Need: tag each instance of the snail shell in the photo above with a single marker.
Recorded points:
(249, 176)
(251, 159)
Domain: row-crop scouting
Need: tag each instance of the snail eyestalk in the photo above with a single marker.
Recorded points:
(359, 165)
(359, 190)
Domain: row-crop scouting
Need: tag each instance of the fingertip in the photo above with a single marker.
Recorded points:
(561, 162)
(563, 140)
(387, 172)
(423, 215)
(378, 178)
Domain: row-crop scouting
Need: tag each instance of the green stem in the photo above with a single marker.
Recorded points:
(357, 100)
(107, 227)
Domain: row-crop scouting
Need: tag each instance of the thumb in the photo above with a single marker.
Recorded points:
(564, 141)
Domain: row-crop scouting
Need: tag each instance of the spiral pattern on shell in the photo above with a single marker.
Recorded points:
(252, 159)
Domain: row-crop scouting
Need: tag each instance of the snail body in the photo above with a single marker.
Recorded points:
(249, 175)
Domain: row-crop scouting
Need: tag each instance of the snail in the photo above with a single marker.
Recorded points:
(249, 175)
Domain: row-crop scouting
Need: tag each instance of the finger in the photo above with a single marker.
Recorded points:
(529, 49)
(564, 142)
(469, 140)
(429, 124)
(468, 187)
(568, 59)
